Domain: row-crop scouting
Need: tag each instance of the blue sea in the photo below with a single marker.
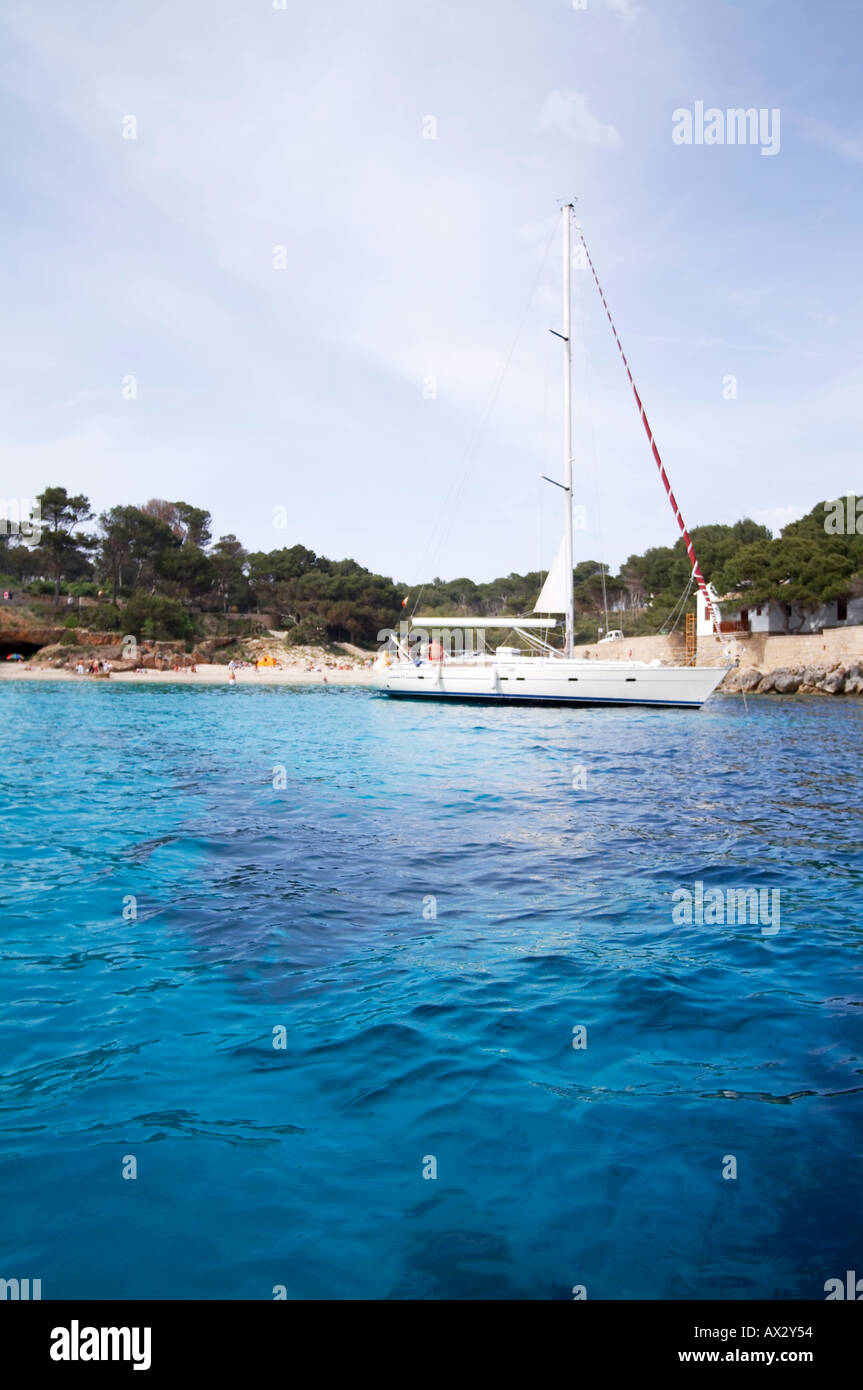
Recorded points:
(418, 905)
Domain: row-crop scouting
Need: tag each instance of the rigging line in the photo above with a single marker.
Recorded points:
(687, 540)
(588, 393)
(679, 605)
(473, 449)
(673, 613)
(677, 610)
(547, 436)
(547, 448)
(685, 601)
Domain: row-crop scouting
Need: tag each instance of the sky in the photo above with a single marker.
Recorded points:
(297, 262)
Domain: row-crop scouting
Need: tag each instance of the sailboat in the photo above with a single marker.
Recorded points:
(421, 663)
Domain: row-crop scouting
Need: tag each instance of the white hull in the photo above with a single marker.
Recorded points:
(543, 680)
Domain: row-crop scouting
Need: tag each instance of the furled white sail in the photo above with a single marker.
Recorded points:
(554, 590)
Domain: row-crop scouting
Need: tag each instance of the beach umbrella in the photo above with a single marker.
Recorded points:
(14, 656)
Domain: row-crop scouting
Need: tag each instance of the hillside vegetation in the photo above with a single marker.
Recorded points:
(156, 571)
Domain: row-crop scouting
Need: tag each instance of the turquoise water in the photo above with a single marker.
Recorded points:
(412, 1036)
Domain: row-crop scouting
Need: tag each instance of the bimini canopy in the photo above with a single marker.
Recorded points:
(437, 620)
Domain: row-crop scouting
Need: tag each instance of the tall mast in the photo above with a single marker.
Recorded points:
(567, 429)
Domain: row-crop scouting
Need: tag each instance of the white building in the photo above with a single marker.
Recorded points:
(739, 618)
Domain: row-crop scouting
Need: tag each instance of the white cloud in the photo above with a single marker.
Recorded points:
(746, 298)
(626, 9)
(842, 142)
(568, 114)
(822, 319)
(777, 518)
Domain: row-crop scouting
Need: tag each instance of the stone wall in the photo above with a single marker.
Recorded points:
(836, 644)
(671, 650)
(772, 653)
(832, 647)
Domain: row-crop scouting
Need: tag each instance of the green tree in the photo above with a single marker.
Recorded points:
(188, 523)
(132, 547)
(63, 547)
(185, 571)
(153, 616)
(790, 570)
(195, 523)
(229, 568)
(715, 544)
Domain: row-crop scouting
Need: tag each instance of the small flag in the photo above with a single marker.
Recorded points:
(404, 603)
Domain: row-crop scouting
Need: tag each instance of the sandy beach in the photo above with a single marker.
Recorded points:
(203, 675)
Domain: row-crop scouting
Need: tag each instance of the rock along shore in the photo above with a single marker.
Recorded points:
(846, 679)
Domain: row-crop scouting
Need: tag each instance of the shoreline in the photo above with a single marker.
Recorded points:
(739, 683)
(204, 675)
(832, 679)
